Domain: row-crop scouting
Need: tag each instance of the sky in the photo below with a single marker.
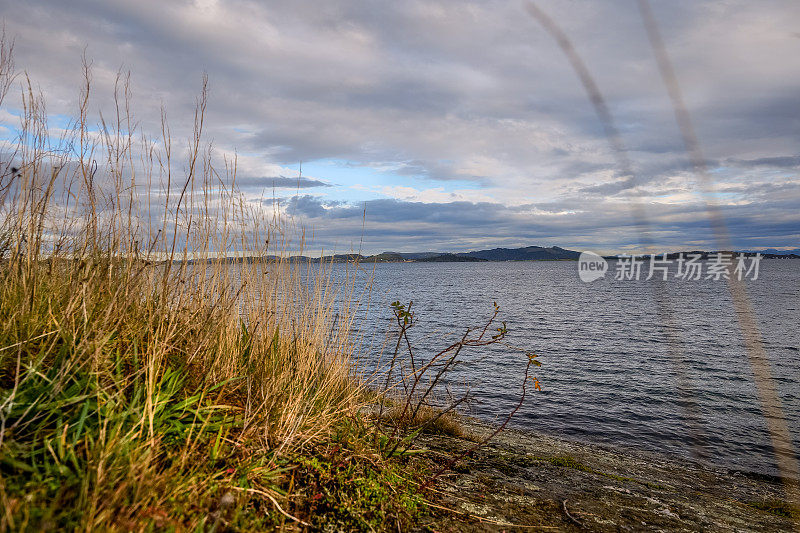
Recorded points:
(453, 125)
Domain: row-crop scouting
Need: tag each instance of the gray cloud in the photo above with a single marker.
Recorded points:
(789, 161)
(444, 92)
(413, 226)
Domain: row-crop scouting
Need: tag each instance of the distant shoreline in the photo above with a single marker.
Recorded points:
(494, 255)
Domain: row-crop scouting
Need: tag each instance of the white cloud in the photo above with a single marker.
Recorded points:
(435, 194)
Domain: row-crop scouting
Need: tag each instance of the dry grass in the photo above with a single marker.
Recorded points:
(149, 382)
(144, 379)
(430, 419)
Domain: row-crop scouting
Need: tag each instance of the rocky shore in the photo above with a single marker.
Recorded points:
(531, 482)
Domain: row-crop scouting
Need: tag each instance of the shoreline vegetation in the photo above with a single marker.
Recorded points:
(144, 394)
(139, 395)
(141, 391)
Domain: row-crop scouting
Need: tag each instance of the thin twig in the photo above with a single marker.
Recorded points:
(571, 518)
(274, 502)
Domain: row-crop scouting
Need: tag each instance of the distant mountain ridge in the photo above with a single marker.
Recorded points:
(774, 251)
(527, 253)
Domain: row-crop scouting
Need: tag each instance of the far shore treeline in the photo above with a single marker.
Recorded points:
(528, 253)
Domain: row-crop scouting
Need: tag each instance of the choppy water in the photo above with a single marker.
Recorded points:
(606, 374)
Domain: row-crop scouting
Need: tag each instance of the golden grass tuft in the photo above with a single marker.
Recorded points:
(429, 419)
(143, 377)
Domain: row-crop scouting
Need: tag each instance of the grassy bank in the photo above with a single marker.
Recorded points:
(145, 384)
(122, 409)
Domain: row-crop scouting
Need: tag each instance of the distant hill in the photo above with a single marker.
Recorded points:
(414, 256)
(385, 257)
(339, 258)
(773, 251)
(529, 253)
(451, 258)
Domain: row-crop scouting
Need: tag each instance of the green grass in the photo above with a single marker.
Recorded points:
(348, 486)
(118, 414)
(143, 391)
(108, 422)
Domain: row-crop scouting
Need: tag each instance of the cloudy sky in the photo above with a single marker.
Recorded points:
(455, 125)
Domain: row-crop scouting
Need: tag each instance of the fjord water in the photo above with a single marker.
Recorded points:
(607, 376)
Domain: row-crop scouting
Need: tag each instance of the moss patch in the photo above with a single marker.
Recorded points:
(776, 507)
(566, 461)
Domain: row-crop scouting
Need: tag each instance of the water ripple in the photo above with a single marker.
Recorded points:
(607, 374)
